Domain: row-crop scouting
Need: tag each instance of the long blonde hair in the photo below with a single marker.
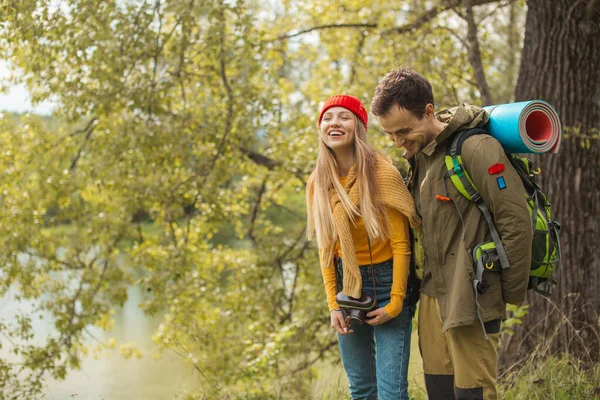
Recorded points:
(324, 178)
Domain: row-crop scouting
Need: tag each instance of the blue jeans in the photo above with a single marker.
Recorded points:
(376, 357)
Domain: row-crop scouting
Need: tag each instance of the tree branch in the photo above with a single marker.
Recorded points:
(288, 315)
(281, 257)
(76, 157)
(136, 19)
(327, 26)
(455, 35)
(422, 19)
(425, 17)
(317, 357)
(76, 132)
(286, 209)
(260, 159)
(261, 192)
(229, 91)
(85, 129)
(194, 364)
(358, 53)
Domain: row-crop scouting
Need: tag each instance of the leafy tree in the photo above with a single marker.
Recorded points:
(187, 134)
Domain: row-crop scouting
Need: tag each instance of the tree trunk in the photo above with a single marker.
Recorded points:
(560, 64)
(474, 54)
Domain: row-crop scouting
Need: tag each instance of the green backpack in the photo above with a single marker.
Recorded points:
(491, 256)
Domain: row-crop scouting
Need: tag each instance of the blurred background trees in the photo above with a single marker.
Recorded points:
(183, 136)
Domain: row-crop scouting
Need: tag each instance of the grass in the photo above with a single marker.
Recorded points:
(549, 379)
(552, 379)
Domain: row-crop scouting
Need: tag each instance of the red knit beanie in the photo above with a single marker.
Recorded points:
(350, 102)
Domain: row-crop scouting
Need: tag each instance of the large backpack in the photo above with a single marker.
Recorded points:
(491, 256)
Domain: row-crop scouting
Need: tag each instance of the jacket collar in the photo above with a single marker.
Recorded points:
(430, 148)
(464, 116)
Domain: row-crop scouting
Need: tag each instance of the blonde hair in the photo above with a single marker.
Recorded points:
(324, 178)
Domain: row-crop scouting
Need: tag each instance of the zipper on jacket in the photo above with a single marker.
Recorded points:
(462, 221)
(423, 211)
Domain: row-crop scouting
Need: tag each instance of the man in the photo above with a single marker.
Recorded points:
(458, 332)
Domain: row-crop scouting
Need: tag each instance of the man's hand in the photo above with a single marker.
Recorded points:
(338, 323)
(378, 317)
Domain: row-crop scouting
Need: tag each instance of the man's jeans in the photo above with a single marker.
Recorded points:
(376, 357)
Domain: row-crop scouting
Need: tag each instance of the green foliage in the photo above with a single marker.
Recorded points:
(515, 315)
(552, 378)
(186, 132)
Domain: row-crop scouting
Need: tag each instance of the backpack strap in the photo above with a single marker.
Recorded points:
(463, 183)
(535, 282)
(526, 170)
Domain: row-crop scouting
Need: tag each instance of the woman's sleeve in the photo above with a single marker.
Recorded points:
(400, 242)
(329, 279)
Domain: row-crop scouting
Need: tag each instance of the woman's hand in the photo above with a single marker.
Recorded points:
(338, 323)
(378, 317)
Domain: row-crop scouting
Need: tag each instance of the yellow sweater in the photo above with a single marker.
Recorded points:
(391, 192)
(397, 247)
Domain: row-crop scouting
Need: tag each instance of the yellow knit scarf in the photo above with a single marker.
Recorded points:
(392, 192)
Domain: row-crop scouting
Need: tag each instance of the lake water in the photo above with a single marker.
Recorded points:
(112, 377)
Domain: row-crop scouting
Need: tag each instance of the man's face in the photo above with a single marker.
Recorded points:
(408, 131)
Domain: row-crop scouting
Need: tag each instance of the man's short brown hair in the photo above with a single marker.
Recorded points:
(405, 88)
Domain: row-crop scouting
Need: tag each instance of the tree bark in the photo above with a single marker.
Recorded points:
(475, 54)
(513, 44)
(560, 64)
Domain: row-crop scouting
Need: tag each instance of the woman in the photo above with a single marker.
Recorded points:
(359, 210)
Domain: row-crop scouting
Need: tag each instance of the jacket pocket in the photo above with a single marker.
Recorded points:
(488, 271)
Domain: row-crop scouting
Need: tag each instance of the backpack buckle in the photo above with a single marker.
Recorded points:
(457, 167)
(483, 286)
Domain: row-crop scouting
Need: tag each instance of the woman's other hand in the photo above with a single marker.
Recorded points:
(378, 317)
(338, 323)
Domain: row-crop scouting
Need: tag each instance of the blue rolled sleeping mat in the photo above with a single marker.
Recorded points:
(525, 127)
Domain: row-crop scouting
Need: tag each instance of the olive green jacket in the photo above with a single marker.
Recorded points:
(453, 228)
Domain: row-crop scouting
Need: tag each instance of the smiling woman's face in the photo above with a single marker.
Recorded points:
(337, 128)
